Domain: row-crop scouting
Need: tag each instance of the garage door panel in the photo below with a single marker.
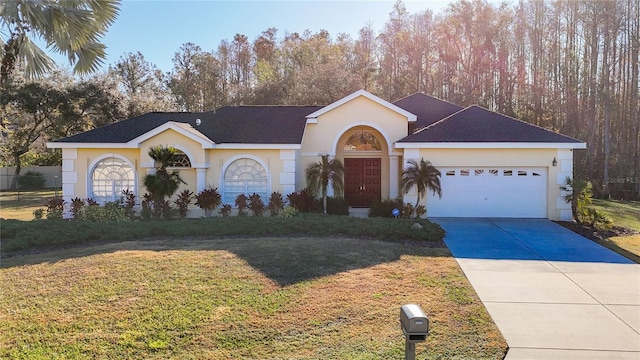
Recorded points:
(490, 192)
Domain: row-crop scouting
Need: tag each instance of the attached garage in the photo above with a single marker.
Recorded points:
(509, 192)
(493, 165)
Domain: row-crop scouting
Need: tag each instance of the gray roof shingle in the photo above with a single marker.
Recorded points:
(427, 108)
(239, 125)
(476, 124)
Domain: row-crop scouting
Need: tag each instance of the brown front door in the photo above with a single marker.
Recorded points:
(361, 181)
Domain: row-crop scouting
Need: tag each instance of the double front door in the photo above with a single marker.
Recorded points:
(362, 181)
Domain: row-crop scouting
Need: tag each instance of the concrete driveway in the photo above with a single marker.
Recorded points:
(552, 293)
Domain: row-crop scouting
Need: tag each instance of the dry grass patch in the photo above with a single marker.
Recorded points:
(20, 205)
(264, 299)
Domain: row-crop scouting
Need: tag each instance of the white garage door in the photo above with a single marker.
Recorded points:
(490, 192)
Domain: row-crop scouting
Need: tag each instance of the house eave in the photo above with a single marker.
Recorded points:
(489, 145)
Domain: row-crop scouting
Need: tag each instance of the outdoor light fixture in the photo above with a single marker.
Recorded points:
(554, 162)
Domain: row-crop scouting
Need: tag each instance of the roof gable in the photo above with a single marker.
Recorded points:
(313, 117)
(428, 109)
(475, 124)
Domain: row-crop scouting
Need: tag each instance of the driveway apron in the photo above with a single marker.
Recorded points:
(552, 293)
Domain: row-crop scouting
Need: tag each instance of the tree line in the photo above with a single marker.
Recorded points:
(569, 66)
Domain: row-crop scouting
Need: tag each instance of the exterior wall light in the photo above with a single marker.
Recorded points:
(554, 162)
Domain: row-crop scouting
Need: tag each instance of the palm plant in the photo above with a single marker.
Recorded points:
(423, 176)
(72, 28)
(163, 183)
(320, 174)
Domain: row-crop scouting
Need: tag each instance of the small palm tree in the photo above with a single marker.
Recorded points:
(422, 175)
(320, 174)
(163, 183)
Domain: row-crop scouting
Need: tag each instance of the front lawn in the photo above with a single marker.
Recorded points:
(625, 214)
(270, 298)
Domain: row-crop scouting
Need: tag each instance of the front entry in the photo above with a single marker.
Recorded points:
(362, 181)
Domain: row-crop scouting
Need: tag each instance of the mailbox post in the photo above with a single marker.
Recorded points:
(415, 327)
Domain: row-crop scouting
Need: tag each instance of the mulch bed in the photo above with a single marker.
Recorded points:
(595, 234)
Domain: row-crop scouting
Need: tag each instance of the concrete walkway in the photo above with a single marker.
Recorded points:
(552, 293)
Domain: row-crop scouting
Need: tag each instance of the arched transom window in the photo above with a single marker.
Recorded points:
(244, 176)
(180, 159)
(109, 178)
(362, 140)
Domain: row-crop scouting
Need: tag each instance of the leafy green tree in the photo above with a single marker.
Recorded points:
(72, 28)
(320, 174)
(162, 183)
(424, 176)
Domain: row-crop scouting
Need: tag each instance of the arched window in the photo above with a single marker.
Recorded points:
(109, 178)
(244, 176)
(362, 140)
(180, 159)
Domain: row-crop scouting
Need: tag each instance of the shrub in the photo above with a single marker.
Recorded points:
(110, 211)
(147, 207)
(183, 201)
(76, 208)
(38, 214)
(256, 205)
(407, 211)
(420, 211)
(128, 202)
(337, 206)
(55, 208)
(384, 207)
(225, 210)
(32, 180)
(276, 203)
(597, 219)
(241, 203)
(208, 199)
(288, 212)
(304, 202)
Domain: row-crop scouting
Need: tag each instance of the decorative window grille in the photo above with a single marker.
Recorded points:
(245, 176)
(109, 178)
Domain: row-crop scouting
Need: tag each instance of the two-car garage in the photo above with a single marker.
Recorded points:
(511, 192)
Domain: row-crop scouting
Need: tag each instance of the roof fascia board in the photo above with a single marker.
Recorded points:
(488, 145)
(259, 146)
(201, 138)
(69, 145)
(313, 117)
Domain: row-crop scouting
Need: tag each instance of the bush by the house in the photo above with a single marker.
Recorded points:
(225, 210)
(304, 202)
(183, 201)
(241, 203)
(256, 205)
(55, 208)
(208, 199)
(337, 206)
(31, 180)
(276, 203)
(384, 208)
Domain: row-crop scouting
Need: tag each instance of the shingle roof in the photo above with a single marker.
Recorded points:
(241, 125)
(476, 124)
(428, 109)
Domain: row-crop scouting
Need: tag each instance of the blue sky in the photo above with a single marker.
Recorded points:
(158, 28)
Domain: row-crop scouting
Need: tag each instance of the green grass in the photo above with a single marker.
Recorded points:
(271, 298)
(19, 205)
(22, 235)
(623, 213)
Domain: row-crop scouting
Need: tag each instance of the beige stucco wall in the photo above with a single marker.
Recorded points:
(213, 162)
(557, 209)
(332, 129)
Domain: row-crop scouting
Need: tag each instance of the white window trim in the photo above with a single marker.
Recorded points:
(97, 160)
(239, 157)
